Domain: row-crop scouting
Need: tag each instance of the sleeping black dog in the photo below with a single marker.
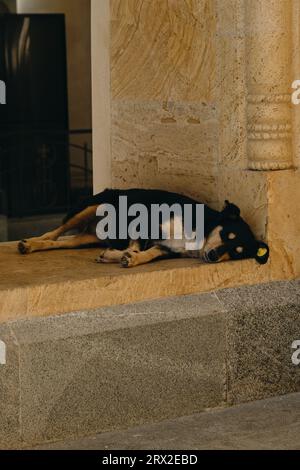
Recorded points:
(226, 235)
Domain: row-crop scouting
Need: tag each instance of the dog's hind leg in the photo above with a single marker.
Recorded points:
(29, 246)
(78, 221)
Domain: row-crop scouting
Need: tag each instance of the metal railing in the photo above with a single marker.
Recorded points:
(44, 171)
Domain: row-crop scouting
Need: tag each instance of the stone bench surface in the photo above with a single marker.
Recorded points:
(115, 367)
(57, 282)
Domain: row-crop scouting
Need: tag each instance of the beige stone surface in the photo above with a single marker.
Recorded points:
(57, 282)
(284, 222)
(248, 189)
(296, 74)
(164, 130)
(100, 32)
(269, 39)
(230, 85)
(162, 50)
(170, 147)
(270, 202)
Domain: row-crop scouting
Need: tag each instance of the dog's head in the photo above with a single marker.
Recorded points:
(233, 239)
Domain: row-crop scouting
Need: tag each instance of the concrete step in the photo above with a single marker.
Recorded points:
(115, 367)
(271, 424)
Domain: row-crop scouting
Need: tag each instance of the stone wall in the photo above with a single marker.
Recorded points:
(178, 102)
(163, 92)
(198, 100)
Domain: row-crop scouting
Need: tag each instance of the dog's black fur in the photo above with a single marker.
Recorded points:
(228, 219)
(227, 235)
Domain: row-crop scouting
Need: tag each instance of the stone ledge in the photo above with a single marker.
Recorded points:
(57, 282)
(115, 367)
(270, 424)
(111, 368)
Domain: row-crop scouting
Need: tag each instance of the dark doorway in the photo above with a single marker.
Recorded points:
(34, 122)
(45, 166)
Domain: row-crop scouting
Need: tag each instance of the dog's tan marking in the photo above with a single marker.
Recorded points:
(214, 240)
(115, 256)
(239, 249)
(224, 257)
(231, 236)
(132, 258)
(80, 220)
(29, 246)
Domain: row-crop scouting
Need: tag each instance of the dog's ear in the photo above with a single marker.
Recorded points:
(230, 211)
(262, 253)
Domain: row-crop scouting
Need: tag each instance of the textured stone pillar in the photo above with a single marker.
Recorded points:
(268, 31)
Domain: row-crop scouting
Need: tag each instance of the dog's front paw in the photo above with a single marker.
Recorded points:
(24, 247)
(128, 260)
(101, 259)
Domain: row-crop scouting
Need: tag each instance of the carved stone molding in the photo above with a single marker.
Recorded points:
(269, 131)
(268, 36)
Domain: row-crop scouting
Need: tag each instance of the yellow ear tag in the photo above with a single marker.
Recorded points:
(261, 252)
